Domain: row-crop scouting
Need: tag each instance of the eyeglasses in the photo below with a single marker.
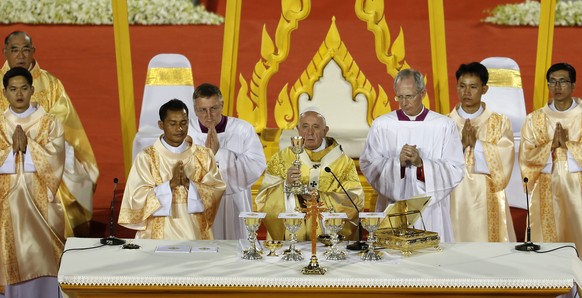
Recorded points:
(24, 50)
(561, 83)
(406, 97)
(212, 109)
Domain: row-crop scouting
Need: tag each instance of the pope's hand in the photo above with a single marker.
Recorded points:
(293, 175)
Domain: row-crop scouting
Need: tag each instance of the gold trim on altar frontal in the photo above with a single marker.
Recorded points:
(159, 76)
(499, 77)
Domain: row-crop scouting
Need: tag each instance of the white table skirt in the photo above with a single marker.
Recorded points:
(460, 265)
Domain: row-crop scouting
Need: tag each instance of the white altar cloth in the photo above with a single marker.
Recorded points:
(460, 265)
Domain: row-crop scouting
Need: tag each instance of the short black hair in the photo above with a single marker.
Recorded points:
(474, 68)
(15, 33)
(562, 66)
(16, 72)
(172, 105)
(207, 90)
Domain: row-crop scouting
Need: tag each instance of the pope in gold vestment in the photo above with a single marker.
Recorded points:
(479, 208)
(81, 172)
(273, 200)
(556, 191)
(31, 219)
(152, 167)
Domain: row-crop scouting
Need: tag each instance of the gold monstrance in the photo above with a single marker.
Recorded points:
(314, 210)
(396, 232)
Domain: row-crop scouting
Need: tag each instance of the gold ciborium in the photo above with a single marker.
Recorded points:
(273, 245)
(297, 147)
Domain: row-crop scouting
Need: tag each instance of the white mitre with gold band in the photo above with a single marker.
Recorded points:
(169, 76)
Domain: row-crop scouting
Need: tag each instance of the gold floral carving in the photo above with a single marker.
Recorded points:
(392, 55)
(251, 101)
(332, 48)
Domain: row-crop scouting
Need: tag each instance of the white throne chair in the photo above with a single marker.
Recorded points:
(505, 96)
(169, 76)
(346, 118)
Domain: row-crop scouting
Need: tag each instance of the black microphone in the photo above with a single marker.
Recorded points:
(358, 245)
(527, 245)
(112, 240)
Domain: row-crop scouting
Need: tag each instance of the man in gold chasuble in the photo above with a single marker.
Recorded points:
(550, 156)
(174, 187)
(81, 172)
(479, 208)
(320, 152)
(32, 223)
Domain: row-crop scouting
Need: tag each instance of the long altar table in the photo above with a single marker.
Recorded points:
(459, 270)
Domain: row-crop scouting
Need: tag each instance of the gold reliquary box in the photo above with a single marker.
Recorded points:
(396, 231)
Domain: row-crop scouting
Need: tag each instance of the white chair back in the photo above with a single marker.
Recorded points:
(505, 96)
(169, 76)
(346, 118)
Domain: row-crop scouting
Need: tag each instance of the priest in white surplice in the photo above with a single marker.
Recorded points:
(239, 155)
(414, 151)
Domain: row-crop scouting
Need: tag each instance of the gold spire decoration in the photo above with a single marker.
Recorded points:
(392, 55)
(251, 101)
(332, 48)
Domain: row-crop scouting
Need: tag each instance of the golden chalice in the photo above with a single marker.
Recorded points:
(371, 221)
(334, 222)
(297, 147)
(293, 222)
(252, 223)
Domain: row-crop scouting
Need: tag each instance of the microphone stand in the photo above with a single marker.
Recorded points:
(112, 240)
(358, 245)
(527, 245)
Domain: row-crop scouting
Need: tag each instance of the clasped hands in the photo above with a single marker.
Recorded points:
(468, 135)
(410, 155)
(179, 177)
(212, 139)
(19, 140)
(560, 137)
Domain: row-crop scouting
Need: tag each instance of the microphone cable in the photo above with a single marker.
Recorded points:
(61, 258)
(562, 247)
